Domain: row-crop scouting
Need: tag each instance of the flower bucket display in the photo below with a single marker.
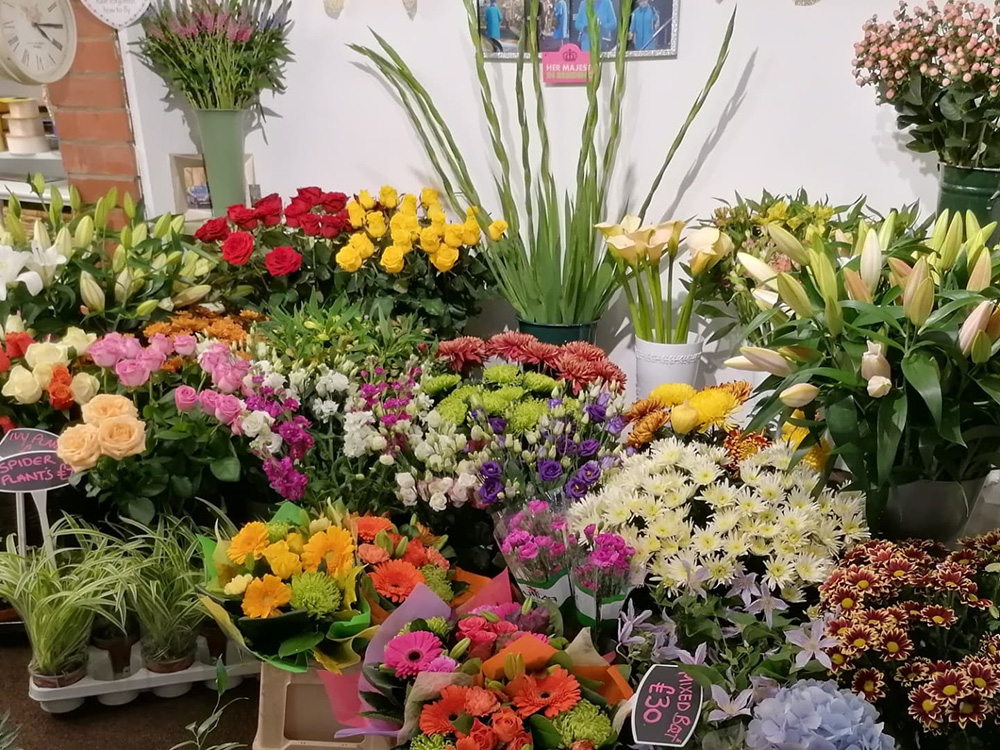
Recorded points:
(931, 510)
(656, 364)
(559, 333)
(972, 189)
(534, 543)
(222, 144)
(602, 579)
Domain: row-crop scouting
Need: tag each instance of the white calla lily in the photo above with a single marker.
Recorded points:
(12, 265)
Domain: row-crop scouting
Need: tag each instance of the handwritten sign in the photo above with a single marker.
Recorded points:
(25, 440)
(568, 64)
(667, 707)
(117, 13)
(28, 462)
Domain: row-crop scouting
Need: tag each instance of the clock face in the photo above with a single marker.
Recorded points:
(38, 37)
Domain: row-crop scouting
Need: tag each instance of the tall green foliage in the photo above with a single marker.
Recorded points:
(550, 265)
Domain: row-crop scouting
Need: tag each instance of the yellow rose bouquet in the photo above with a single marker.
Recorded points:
(288, 589)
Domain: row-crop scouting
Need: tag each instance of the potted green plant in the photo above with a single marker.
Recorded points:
(165, 599)
(667, 349)
(221, 55)
(8, 734)
(545, 254)
(936, 66)
(58, 594)
(892, 352)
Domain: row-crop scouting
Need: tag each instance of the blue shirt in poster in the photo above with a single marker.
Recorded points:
(643, 26)
(561, 16)
(493, 19)
(607, 22)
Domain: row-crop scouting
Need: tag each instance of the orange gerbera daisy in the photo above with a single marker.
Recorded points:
(370, 526)
(252, 539)
(265, 596)
(332, 548)
(439, 717)
(552, 694)
(396, 579)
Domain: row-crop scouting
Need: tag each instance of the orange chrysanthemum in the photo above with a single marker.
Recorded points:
(370, 526)
(434, 557)
(439, 717)
(741, 445)
(265, 597)
(371, 554)
(741, 390)
(396, 579)
(332, 548)
(645, 429)
(640, 409)
(252, 539)
(552, 694)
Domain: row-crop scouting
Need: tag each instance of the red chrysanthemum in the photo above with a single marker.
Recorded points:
(950, 686)
(863, 580)
(462, 352)
(899, 569)
(585, 350)
(926, 708)
(895, 644)
(984, 678)
(539, 353)
(912, 673)
(609, 372)
(577, 371)
(971, 709)
(840, 660)
(510, 345)
(858, 639)
(869, 683)
(941, 617)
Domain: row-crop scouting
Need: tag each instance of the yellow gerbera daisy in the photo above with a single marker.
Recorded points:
(671, 394)
(284, 563)
(252, 539)
(265, 597)
(333, 548)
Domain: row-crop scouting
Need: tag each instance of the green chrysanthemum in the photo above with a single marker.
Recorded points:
(277, 530)
(428, 742)
(495, 404)
(437, 581)
(502, 375)
(440, 383)
(584, 723)
(453, 409)
(525, 415)
(511, 392)
(537, 382)
(439, 626)
(315, 593)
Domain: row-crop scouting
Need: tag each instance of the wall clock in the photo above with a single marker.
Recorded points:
(37, 40)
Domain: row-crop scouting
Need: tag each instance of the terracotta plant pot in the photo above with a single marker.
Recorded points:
(215, 639)
(9, 615)
(170, 667)
(59, 680)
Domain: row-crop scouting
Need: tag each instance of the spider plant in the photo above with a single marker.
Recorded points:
(8, 734)
(553, 246)
(59, 593)
(164, 598)
(201, 731)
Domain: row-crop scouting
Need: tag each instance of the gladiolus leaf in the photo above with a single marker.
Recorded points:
(921, 372)
(891, 420)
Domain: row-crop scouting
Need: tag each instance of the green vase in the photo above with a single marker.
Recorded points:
(970, 189)
(560, 333)
(222, 136)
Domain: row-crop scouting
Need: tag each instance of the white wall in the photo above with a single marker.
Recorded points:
(786, 112)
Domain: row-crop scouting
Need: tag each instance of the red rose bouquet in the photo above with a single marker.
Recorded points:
(915, 632)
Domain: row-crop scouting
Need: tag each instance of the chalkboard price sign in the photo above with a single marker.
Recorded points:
(667, 707)
(28, 462)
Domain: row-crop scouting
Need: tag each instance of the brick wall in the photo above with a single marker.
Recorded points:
(91, 114)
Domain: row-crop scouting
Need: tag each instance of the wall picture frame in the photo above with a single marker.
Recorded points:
(653, 27)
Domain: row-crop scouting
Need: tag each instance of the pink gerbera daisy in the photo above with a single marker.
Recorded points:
(412, 653)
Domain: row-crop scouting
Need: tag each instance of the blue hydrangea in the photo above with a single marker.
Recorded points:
(814, 715)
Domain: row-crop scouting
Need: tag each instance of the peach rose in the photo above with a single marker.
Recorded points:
(121, 437)
(107, 406)
(78, 446)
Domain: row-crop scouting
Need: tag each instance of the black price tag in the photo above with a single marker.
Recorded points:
(667, 707)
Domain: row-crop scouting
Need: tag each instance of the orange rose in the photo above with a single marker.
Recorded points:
(78, 446)
(507, 724)
(121, 437)
(107, 406)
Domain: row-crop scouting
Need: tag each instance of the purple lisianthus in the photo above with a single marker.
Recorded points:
(589, 448)
(490, 470)
(498, 425)
(617, 424)
(566, 446)
(590, 472)
(554, 402)
(490, 491)
(549, 470)
(576, 488)
(597, 412)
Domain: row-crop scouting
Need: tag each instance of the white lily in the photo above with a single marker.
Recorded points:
(45, 261)
(12, 264)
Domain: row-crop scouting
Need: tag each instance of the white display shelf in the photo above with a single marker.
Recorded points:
(41, 156)
(21, 189)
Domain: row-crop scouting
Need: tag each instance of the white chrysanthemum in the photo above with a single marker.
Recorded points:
(735, 545)
(769, 488)
(855, 530)
(760, 546)
(705, 473)
(617, 514)
(788, 544)
(726, 520)
(813, 569)
(720, 570)
(704, 542)
(750, 475)
(720, 494)
(666, 526)
(778, 573)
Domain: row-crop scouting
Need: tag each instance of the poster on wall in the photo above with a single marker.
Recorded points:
(652, 26)
(119, 14)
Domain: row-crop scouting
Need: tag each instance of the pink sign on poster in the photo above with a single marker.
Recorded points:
(569, 64)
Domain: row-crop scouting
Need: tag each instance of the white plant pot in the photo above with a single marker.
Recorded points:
(656, 364)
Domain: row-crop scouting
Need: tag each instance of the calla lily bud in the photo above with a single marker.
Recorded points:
(768, 361)
(84, 233)
(824, 275)
(886, 231)
(899, 272)
(162, 226)
(624, 249)
(982, 348)
(191, 295)
(119, 259)
(788, 244)
(91, 293)
(871, 260)
(742, 363)
(683, 418)
(879, 387)
(952, 244)
(765, 298)
(873, 362)
(143, 309)
(940, 231)
(64, 243)
(758, 270)
(139, 233)
(799, 395)
(857, 290)
(834, 317)
(976, 323)
(794, 295)
(982, 273)
(41, 234)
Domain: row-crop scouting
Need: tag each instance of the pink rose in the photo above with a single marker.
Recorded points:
(185, 398)
(153, 357)
(132, 373)
(107, 351)
(215, 355)
(185, 344)
(228, 409)
(162, 343)
(209, 400)
(132, 346)
(227, 379)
